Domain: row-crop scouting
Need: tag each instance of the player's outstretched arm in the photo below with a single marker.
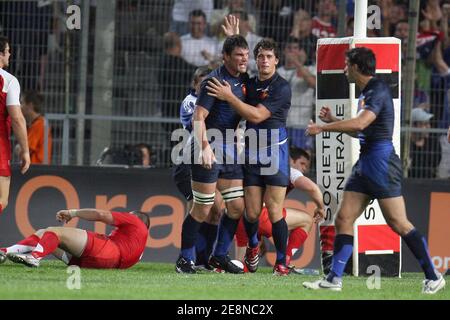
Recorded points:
(307, 185)
(85, 214)
(357, 124)
(222, 91)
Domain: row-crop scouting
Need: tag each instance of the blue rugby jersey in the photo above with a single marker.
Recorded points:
(187, 110)
(377, 98)
(221, 115)
(275, 94)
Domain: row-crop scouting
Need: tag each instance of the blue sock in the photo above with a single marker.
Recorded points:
(252, 232)
(418, 246)
(200, 244)
(343, 249)
(280, 237)
(188, 237)
(225, 235)
(210, 239)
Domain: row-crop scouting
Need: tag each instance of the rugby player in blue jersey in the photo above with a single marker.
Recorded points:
(376, 175)
(266, 173)
(182, 176)
(222, 171)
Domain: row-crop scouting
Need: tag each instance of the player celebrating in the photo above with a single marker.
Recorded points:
(182, 177)
(121, 249)
(269, 100)
(299, 222)
(212, 173)
(376, 175)
(10, 116)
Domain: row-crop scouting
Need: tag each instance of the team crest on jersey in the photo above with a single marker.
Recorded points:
(244, 89)
(263, 93)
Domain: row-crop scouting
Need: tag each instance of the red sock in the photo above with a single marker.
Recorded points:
(1, 209)
(48, 243)
(296, 239)
(31, 241)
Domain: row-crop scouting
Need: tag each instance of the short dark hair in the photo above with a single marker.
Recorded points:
(143, 216)
(35, 98)
(197, 13)
(364, 58)
(267, 44)
(296, 153)
(235, 41)
(3, 42)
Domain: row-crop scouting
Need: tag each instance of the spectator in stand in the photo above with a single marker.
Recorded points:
(425, 150)
(174, 77)
(180, 13)
(302, 79)
(232, 6)
(197, 48)
(146, 154)
(392, 14)
(302, 30)
(275, 18)
(401, 32)
(322, 26)
(32, 103)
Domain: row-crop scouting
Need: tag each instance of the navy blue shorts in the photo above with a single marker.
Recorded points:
(182, 177)
(277, 173)
(377, 176)
(218, 171)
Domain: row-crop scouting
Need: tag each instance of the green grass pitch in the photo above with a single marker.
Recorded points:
(159, 281)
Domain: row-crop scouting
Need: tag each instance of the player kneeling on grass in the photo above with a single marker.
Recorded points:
(121, 249)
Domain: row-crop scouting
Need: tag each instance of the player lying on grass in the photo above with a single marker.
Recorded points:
(299, 222)
(121, 249)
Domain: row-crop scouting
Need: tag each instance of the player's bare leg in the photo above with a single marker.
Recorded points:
(4, 192)
(352, 207)
(394, 212)
(232, 194)
(298, 219)
(71, 240)
(274, 200)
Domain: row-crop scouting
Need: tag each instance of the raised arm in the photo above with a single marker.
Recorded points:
(86, 214)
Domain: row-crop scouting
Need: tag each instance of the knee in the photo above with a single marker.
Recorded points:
(235, 208)
(200, 211)
(275, 212)
(401, 227)
(342, 222)
(251, 216)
